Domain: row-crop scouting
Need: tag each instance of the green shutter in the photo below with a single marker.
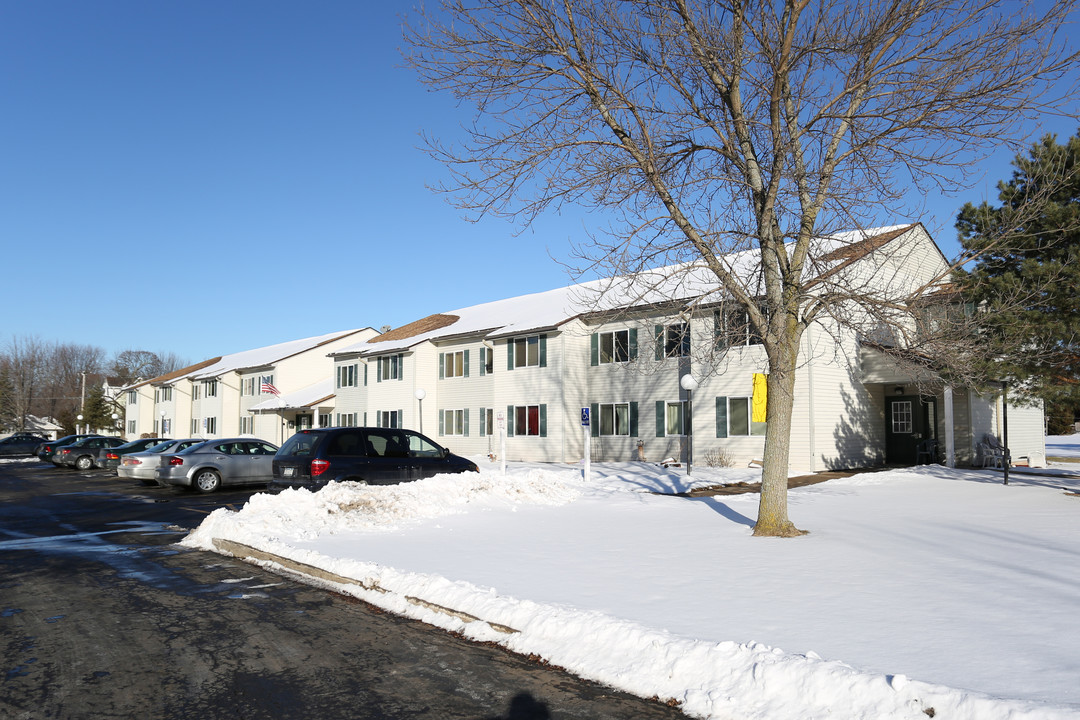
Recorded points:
(467, 353)
(466, 428)
(594, 349)
(543, 351)
(661, 419)
(401, 367)
(509, 421)
(442, 365)
(721, 417)
(543, 416)
(658, 331)
(365, 374)
(483, 363)
(633, 420)
(442, 423)
(510, 353)
(594, 420)
(378, 369)
(632, 338)
(483, 421)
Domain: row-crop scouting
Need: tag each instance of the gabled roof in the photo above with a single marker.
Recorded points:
(260, 357)
(689, 282)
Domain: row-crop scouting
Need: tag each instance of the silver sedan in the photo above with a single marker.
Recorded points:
(142, 465)
(215, 463)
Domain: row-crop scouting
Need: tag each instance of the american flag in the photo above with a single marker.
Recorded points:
(267, 387)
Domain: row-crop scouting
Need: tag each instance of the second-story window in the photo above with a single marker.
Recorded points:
(210, 388)
(454, 364)
(529, 351)
(390, 367)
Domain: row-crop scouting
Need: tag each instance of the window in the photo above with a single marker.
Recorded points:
(346, 419)
(454, 422)
(390, 368)
(614, 419)
(734, 418)
(194, 426)
(672, 341)
(346, 375)
(901, 416)
(388, 418)
(157, 396)
(487, 421)
(247, 425)
(454, 364)
(487, 355)
(210, 424)
(166, 426)
(676, 418)
(733, 328)
(132, 397)
(266, 382)
(527, 420)
(614, 347)
(194, 392)
(210, 388)
(131, 427)
(324, 420)
(528, 351)
(166, 393)
(247, 387)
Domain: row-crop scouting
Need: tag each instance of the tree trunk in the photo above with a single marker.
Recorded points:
(772, 507)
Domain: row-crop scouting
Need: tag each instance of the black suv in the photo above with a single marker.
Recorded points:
(376, 456)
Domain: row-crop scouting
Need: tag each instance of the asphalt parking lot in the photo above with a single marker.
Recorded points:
(103, 616)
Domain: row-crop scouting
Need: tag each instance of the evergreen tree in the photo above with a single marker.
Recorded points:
(98, 410)
(1027, 287)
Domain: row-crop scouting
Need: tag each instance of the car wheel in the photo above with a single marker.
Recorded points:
(84, 463)
(207, 481)
(358, 481)
(144, 481)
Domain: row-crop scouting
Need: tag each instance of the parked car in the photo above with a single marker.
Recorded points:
(376, 456)
(21, 444)
(215, 463)
(142, 465)
(47, 449)
(108, 458)
(80, 454)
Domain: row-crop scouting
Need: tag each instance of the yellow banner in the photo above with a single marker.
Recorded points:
(761, 395)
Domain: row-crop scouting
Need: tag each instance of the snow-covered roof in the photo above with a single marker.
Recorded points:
(302, 398)
(258, 357)
(550, 309)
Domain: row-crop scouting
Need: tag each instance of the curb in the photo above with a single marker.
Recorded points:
(250, 554)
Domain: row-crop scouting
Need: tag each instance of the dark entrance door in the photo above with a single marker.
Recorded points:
(909, 420)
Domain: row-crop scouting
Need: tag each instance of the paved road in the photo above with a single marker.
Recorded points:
(102, 616)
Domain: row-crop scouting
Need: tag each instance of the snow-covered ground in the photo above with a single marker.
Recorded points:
(1067, 446)
(915, 589)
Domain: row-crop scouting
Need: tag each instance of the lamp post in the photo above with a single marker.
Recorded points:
(689, 384)
(420, 395)
(116, 417)
(161, 427)
(78, 423)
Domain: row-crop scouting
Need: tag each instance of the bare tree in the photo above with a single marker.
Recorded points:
(25, 359)
(706, 128)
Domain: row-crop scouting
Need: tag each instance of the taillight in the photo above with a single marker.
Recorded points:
(318, 467)
(65, 451)
(112, 456)
(176, 461)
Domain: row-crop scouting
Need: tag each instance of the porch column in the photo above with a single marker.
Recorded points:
(950, 430)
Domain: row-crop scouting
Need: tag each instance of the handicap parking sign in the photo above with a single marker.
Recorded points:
(585, 417)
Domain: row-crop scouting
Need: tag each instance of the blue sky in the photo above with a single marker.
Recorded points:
(198, 176)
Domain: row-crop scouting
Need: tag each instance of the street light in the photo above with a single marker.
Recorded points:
(161, 428)
(79, 420)
(689, 384)
(116, 417)
(420, 395)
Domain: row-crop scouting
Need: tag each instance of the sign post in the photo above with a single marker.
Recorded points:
(585, 422)
(502, 442)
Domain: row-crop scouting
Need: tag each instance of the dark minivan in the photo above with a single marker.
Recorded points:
(369, 455)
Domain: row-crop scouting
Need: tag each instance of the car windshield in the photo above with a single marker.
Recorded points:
(160, 447)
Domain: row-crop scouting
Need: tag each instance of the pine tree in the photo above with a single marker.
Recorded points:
(1028, 291)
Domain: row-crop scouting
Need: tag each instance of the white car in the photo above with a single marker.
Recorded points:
(142, 465)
